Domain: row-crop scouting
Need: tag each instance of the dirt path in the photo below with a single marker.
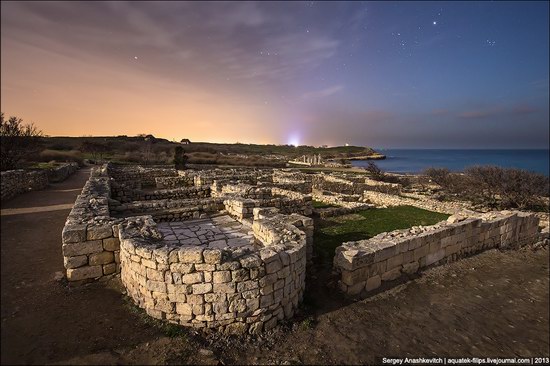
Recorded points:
(493, 304)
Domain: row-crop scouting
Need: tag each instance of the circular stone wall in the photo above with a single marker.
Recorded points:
(236, 290)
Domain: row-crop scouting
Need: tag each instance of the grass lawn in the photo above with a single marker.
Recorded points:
(332, 232)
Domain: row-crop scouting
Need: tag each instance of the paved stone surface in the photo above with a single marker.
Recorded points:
(214, 232)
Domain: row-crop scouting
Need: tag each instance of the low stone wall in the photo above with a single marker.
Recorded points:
(14, 182)
(232, 290)
(174, 182)
(162, 209)
(331, 183)
(387, 200)
(365, 265)
(90, 244)
(123, 193)
(137, 176)
(62, 172)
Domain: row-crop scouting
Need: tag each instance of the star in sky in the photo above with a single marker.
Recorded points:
(434, 22)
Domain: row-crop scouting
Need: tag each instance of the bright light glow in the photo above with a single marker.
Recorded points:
(347, 144)
(294, 139)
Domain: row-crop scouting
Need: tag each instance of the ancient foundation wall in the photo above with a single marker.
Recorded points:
(138, 177)
(124, 193)
(90, 242)
(325, 182)
(62, 172)
(174, 182)
(232, 290)
(169, 209)
(14, 182)
(365, 265)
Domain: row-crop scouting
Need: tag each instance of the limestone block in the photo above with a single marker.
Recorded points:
(410, 268)
(149, 263)
(273, 266)
(74, 233)
(182, 268)
(154, 275)
(212, 256)
(75, 262)
(226, 288)
(250, 261)
(111, 244)
(434, 257)
(247, 285)
(81, 273)
(356, 288)
(190, 255)
(228, 266)
(184, 309)
(373, 283)
(81, 248)
(201, 288)
(391, 274)
(221, 277)
(157, 286)
(144, 252)
(192, 278)
(195, 299)
(205, 267)
(95, 232)
(395, 261)
(101, 258)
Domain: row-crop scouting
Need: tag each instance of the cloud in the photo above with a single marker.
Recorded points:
(322, 93)
(523, 109)
(439, 112)
(481, 113)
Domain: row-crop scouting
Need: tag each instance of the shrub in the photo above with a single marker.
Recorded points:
(19, 141)
(48, 155)
(494, 186)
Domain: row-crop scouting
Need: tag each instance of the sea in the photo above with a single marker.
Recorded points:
(416, 160)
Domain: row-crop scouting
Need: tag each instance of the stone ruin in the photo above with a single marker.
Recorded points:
(227, 249)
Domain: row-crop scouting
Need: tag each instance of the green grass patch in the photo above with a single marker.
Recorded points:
(332, 232)
(44, 165)
(319, 204)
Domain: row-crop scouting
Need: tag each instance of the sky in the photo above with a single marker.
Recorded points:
(381, 74)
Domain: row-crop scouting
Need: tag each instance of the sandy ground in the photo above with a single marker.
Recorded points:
(493, 304)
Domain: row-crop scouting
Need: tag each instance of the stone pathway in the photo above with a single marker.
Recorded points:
(214, 232)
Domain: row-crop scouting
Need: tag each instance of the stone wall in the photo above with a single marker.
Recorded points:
(365, 265)
(386, 200)
(124, 193)
(90, 244)
(169, 209)
(137, 176)
(174, 182)
(62, 172)
(14, 182)
(232, 290)
(324, 182)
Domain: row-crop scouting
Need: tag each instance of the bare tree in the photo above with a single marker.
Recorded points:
(19, 141)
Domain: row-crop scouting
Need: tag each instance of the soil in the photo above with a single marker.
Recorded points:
(493, 304)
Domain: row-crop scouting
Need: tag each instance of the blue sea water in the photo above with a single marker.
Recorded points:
(416, 160)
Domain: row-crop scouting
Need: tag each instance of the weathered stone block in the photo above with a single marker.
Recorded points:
(74, 233)
(82, 273)
(192, 278)
(373, 283)
(75, 262)
(221, 276)
(111, 244)
(95, 232)
(202, 288)
(212, 256)
(101, 258)
(81, 248)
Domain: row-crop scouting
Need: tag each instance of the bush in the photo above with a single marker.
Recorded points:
(61, 156)
(381, 176)
(19, 141)
(494, 186)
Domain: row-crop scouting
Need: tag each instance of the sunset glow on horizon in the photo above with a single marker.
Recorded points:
(395, 74)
